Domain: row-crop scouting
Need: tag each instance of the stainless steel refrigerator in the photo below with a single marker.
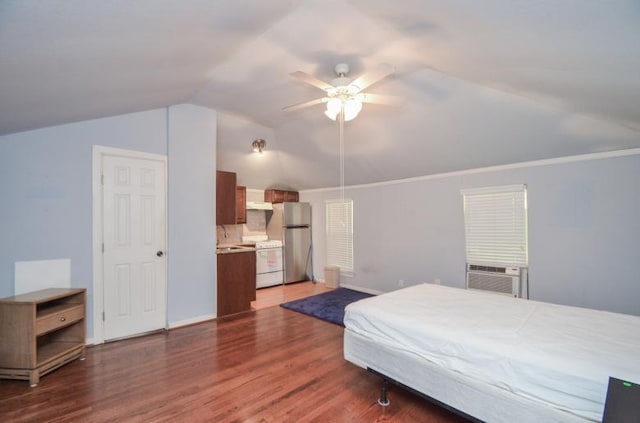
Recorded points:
(291, 223)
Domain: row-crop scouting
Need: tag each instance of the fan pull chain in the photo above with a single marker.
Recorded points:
(341, 120)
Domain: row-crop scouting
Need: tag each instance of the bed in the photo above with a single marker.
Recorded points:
(494, 357)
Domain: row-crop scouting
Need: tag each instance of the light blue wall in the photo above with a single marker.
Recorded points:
(46, 191)
(191, 257)
(584, 231)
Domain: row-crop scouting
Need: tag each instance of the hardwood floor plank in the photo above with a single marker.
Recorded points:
(275, 295)
(271, 365)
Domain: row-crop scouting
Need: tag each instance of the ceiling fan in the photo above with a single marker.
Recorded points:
(345, 95)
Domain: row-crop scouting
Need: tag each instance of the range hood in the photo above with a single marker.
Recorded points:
(259, 205)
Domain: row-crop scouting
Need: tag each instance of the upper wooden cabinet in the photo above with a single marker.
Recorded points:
(273, 196)
(279, 196)
(291, 196)
(241, 204)
(225, 198)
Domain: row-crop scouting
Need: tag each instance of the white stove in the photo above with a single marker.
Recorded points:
(269, 264)
(268, 244)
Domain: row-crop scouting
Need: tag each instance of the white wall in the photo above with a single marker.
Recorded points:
(46, 192)
(584, 230)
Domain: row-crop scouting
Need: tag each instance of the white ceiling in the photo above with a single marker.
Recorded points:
(484, 82)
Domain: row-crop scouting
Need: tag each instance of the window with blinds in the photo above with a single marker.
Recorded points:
(339, 227)
(495, 220)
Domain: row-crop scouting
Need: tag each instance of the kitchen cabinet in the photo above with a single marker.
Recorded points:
(41, 331)
(236, 282)
(280, 196)
(241, 204)
(291, 196)
(225, 198)
(273, 196)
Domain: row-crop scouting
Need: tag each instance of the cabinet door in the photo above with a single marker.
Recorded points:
(274, 196)
(241, 204)
(225, 198)
(236, 282)
(291, 196)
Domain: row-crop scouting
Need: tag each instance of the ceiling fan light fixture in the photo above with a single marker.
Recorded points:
(332, 116)
(345, 95)
(333, 108)
(351, 109)
(258, 145)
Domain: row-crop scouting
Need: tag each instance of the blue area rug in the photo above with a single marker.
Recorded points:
(328, 306)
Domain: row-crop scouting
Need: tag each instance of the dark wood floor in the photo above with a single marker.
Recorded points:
(271, 365)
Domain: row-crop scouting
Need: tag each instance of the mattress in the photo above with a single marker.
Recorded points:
(553, 355)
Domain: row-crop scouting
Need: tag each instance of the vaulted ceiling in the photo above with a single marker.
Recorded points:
(483, 82)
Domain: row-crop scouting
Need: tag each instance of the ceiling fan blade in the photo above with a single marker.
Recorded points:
(383, 70)
(305, 77)
(387, 100)
(305, 104)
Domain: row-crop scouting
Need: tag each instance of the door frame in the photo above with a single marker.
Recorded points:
(99, 152)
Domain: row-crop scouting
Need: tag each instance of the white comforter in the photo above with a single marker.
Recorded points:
(561, 356)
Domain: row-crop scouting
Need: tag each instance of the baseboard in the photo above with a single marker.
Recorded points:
(192, 321)
(174, 325)
(361, 289)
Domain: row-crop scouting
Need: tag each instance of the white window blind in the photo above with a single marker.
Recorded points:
(495, 220)
(339, 221)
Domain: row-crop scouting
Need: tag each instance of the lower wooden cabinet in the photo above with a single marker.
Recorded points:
(236, 282)
(41, 331)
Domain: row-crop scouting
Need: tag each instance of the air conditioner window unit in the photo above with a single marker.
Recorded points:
(503, 280)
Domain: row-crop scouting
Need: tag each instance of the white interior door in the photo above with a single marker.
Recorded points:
(134, 234)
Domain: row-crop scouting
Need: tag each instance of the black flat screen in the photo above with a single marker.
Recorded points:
(623, 402)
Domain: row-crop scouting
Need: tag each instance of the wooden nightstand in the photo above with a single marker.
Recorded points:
(41, 331)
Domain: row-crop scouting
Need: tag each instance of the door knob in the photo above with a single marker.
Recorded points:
(159, 253)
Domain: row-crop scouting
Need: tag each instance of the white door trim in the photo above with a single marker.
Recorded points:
(99, 152)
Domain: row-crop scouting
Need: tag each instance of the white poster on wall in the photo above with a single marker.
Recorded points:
(35, 275)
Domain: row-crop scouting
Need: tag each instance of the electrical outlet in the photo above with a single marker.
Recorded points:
(437, 281)
(401, 283)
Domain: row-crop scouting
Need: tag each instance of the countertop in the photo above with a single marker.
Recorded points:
(234, 248)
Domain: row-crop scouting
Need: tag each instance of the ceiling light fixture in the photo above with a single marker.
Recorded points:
(258, 145)
(350, 105)
(343, 96)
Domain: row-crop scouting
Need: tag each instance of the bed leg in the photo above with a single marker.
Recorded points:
(383, 400)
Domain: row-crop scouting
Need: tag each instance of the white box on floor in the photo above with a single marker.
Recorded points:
(332, 276)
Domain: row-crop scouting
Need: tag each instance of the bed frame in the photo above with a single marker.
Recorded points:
(384, 401)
